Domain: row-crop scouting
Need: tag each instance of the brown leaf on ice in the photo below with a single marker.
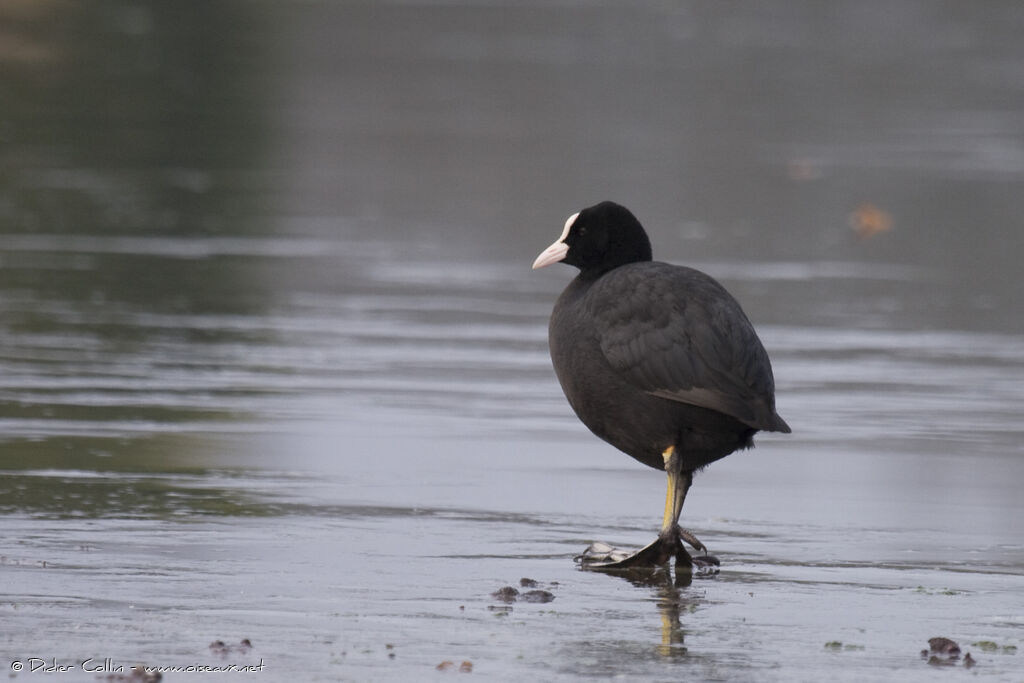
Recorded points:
(867, 220)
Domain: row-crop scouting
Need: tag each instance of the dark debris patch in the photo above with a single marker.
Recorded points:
(510, 594)
(538, 596)
(506, 594)
(945, 652)
(219, 647)
(944, 646)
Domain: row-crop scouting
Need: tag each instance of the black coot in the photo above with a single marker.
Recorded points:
(658, 360)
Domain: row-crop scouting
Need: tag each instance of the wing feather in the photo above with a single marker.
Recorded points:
(681, 336)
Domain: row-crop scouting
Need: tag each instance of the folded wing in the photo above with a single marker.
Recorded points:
(681, 336)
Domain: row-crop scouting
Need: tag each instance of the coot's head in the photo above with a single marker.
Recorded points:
(598, 239)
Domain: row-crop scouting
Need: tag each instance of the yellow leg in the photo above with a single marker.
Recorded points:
(670, 517)
(678, 485)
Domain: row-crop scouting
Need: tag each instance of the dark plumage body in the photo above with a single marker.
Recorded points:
(652, 355)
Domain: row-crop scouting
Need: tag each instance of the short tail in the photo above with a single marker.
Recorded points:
(779, 425)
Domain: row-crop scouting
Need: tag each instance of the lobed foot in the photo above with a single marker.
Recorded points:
(601, 556)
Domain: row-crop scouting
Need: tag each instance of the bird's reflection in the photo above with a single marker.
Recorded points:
(671, 599)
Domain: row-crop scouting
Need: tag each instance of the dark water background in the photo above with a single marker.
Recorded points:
(273, 364)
